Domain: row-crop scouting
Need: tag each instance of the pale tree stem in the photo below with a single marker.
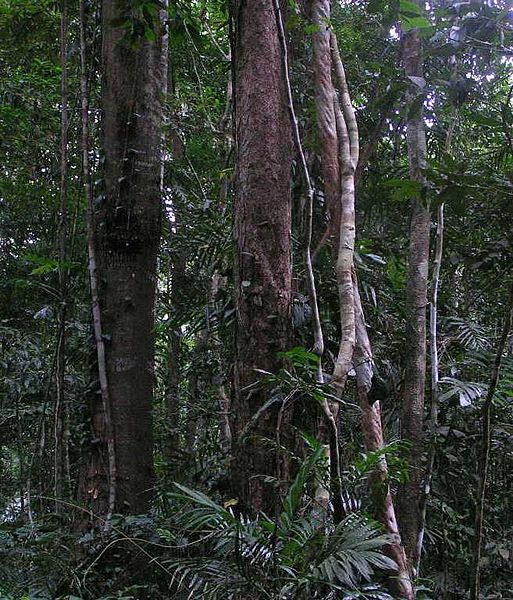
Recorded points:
(93, 277)
(356, 348)
(412, 411)
(400, 584)
(346, 236)
(435, 363)
(345, 102)
(348, 151)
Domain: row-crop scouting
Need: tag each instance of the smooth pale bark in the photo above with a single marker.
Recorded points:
(355, 348)
(412, 414)
(263, 269)
(347, 131)
(127, 234)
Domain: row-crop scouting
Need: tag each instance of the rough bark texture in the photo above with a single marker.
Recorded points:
(127, 231)
(400, 584)
(416, 297)
(97, 478)
(320, 11)
(263, 269)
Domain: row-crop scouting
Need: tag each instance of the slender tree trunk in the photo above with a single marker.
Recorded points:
(320, 12)
(412, 415)
(21, 455)
(400, 582)
(322, 493)
(217, 282)
(349, 150)
(174, 376)
(355, 348)
(97, 479)
(433, 351)
(435, 388)
(484, 458)
(61, 455)
(263, 270)
(127, 234)
(172, 441)
(177, 288)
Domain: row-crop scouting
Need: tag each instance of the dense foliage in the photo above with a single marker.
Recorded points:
(194, 543)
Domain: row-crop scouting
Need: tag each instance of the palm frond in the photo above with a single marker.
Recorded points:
(467, 392)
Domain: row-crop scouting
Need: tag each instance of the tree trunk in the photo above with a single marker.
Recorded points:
(97, 478)
(177, 287)
(412, 415)
(61, 457)
(320, 11)
(127, 234)
(263, 270)
(400, 583)
(172, 434)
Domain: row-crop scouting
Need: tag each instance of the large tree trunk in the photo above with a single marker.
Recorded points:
(127, 234)
(412, 416)
(263, 269)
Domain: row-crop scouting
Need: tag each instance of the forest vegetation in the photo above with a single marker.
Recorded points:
(256, 293)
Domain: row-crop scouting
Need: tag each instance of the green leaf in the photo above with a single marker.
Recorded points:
(150, 35)
(404, 189)
(409, 9)
(293, 499)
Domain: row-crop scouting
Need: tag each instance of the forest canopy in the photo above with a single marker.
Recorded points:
(256, 297)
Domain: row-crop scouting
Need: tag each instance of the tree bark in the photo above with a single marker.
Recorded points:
(174, 376)
(263, 269)
(320, 11)
(127, 234)
(349, 149)
(412, 415)
(97, 478)
(355, 348)
(400, 583)
(61, 456)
